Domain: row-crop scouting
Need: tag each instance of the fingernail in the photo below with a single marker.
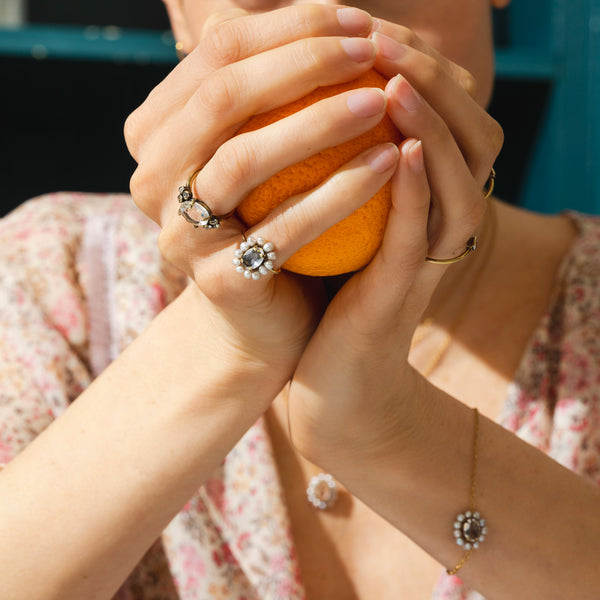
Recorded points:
(359, 49)
(414, 156)
(366, 103)
(354, 20)
(388, 47)
(383, 158)
(406, 95)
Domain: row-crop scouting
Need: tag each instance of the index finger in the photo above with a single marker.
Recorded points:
(410, 38)
(230, 37)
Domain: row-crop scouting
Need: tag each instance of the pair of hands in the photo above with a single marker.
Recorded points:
(349, 361)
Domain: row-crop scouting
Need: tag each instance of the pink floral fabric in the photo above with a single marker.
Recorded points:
(81, 277)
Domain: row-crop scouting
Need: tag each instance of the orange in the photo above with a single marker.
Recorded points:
(350, 244)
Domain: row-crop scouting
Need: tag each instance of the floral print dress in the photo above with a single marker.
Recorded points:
(81, 277)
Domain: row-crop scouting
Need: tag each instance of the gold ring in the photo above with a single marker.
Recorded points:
(471, 247)
(488, 188)
(194, 210)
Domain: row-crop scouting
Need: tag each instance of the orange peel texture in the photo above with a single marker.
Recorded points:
(350, 244)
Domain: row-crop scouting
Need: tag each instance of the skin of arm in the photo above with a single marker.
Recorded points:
(544, 524)
(81, 505)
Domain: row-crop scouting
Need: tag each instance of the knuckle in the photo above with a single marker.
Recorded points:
(218, 95)
(235, 162)
(138, 187)
(223, 43)
(221, 16)
(496, 137)
(306, 16)
(431, 71)
(306, 53)
(467, 81)
(406, 36)
(131, 132)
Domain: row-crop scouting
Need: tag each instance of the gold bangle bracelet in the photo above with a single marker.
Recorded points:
(470, 527)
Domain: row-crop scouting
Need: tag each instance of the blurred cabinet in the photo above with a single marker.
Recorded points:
(547, 94)
(556, 43)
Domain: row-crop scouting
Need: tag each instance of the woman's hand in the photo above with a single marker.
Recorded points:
(353, 391)
(248, 64)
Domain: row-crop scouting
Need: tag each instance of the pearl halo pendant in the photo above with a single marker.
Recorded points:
(322, 491)
(254, 258)
(469, 529)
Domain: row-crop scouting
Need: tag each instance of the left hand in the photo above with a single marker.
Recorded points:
(354, 390)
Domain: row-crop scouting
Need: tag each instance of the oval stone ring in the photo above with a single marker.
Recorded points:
(194, 210)
(254, 257)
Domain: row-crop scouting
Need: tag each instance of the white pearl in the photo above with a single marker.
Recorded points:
(236, 262)
(268, 247)
(260, 241)
(255, 275)
(238, 253)
(244, 246)
(251, 241)
(262, 270)
(271, 256)
(248, 274)
(268, 264)
(240, 269)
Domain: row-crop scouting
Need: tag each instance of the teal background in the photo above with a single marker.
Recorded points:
(68, 88)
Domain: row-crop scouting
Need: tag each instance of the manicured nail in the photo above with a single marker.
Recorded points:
(359, 49)
(366, 103)
(383, 158)
(408, 98)
(354, 20)
(388, 47)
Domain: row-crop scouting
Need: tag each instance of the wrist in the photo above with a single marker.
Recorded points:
(202, 360)
(389, 422)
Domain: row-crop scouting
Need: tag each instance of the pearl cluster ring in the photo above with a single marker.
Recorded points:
(254, 257)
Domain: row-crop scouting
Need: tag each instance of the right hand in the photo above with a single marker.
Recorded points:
(243, 65)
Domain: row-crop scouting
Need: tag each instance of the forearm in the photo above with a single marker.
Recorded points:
(544, 521)
(83, 502)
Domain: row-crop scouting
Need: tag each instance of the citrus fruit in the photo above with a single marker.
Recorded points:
(350, 244)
